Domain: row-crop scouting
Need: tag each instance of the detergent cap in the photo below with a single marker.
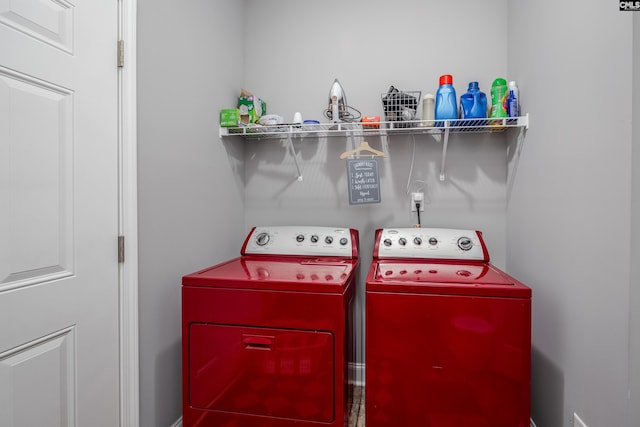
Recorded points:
(499, 82)
(446, 79)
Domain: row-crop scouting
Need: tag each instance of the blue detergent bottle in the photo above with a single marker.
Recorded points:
(446, 100)
(473, 104)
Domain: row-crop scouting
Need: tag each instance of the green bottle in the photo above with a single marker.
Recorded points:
(499, 94)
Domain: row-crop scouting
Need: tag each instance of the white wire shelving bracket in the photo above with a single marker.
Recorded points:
(345, 129)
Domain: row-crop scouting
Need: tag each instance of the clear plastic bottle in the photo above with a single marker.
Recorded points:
(446, 101)
(428, 109)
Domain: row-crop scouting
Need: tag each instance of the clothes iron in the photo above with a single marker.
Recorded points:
(337, 109)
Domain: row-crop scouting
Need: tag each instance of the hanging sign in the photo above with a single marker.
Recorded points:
(364, 183)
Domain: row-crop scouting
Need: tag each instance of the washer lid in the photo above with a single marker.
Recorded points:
(324, 274)
(443, 278)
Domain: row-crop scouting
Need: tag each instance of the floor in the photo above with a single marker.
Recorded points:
(356, 417)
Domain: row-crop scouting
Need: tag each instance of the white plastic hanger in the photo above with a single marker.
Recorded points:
(364, 146)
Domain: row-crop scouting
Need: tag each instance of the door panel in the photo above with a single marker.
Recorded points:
(268, 372)
(50, 21)
(37, 165)
(59, 353)
(49, 363)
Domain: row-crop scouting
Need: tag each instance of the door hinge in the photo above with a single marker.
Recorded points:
(120, 53)
(120, 249)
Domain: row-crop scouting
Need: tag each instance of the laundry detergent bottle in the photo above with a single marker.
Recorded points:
(446, 107)
(473, 103)
(499, 95)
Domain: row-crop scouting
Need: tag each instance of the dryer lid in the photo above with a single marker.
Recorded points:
(324, 274)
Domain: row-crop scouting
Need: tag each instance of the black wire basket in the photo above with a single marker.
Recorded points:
(400, 107)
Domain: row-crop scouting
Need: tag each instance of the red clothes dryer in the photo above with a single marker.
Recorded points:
(268, 336)
(448, 335)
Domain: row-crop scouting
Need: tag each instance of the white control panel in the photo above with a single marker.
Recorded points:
(302, 240)
(431, 243)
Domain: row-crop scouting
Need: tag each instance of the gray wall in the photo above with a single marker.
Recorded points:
(564, 227)
(569, 217)
(190, 191)
(375, 44)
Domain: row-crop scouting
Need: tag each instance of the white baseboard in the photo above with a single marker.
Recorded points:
(177, 423)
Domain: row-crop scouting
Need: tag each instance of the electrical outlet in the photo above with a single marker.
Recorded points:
(577, 422)
(417, 198)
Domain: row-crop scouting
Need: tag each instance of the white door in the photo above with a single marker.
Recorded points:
(58, 213)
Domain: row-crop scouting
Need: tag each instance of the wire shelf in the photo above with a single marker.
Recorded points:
(414, 127)
(441, 128)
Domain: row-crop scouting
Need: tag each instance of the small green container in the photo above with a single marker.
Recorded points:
(229, 117)
(499, 95)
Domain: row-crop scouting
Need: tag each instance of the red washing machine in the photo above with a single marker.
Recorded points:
(267, 337)
(448, 335)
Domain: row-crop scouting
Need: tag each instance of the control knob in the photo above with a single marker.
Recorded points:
(465, 243)
(402, 241)
(262, 239)
(344, 241)
(314, 238)
(328, 240)
(417, 241)
(387, 242)
(300, 238)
